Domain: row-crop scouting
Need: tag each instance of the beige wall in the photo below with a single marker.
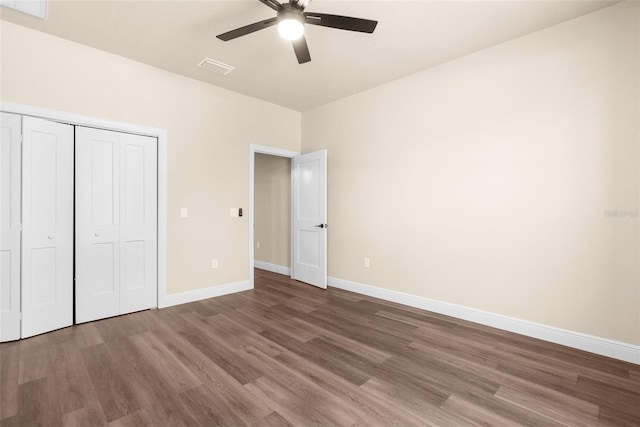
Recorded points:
(272, 210)
(486, 182)
(483, 182)
(209, 132)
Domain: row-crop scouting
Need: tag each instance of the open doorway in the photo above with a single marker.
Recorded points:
(272, 213)
(266, 253)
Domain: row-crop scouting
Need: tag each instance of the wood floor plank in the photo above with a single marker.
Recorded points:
(475, 413)
(79, 336)
(300, 386)
(219, 381)
(36, 400)
(196, 331)
(552, 405)
(168, 368)
(9, 365)
(287, 353)
(137, 419)
(206, 409)
(274, 419)
(447, 378)
(419, 403)
(158, 401)
(248, 337)
(357, 331)
(315, 331)
(111, 388)
(73, 385)
(90, 415)
(34, 363)
(611, 416)
(373, 408)
(608, 395)
(294, 403)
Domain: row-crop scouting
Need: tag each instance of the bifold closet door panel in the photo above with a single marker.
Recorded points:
(97, 224)
(138, 223)
(116, 223)
(47, 235)
(10, 165)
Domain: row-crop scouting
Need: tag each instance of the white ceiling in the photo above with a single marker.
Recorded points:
(411, 36)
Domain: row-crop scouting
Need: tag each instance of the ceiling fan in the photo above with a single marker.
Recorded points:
(291, 19)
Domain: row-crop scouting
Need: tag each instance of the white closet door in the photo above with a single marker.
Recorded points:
(97, 224)
(116, 223)
(138, 223)
(10, 161)
(47, 237)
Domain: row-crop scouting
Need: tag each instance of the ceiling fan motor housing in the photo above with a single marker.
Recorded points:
(290, 12)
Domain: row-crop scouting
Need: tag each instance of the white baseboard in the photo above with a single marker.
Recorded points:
(280, 269)
(602, 346)
(200, 294)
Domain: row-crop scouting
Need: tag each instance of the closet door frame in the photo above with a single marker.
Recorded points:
(159, 133)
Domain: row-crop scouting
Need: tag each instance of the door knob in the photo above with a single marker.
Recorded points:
(50, 236)
(322, 225)
(96, 234)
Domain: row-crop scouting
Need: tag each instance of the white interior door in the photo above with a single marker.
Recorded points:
(10, 162)
(47, 236)
(116, 223)
(309, 217)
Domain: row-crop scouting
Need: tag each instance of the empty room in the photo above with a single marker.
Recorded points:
(319, 212)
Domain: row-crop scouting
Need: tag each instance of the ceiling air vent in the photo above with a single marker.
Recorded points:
(215, 66)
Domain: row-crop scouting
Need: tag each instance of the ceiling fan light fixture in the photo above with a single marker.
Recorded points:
(291, 20)
(290, 29)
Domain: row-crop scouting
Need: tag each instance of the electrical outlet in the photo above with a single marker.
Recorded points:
(367, 263)
(258, 245)
(214, 263)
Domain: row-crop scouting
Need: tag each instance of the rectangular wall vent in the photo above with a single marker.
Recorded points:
(215, 66)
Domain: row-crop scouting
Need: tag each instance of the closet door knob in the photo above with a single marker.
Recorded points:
(50, 236)
(96, 234)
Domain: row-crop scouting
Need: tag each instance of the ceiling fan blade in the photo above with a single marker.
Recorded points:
(248, 29)
(302, 50)
(273, 4)
(300, 4)
(341, 22)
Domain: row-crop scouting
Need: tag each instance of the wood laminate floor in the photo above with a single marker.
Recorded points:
(286, 353)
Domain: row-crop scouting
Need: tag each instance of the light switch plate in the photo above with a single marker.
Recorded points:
(184, 213)
(233, 212)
